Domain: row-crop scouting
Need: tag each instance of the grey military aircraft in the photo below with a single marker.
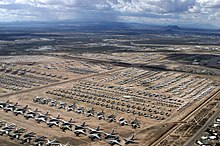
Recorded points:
(10, 107)
(101, 115)
(54, 121)
(31, 114)
(42, 117)
(80, 129)
(71, 107)
(79, 132)
(96, 130)
(111, 118)
(52, 142)
(7, 128)
(80, 126)
(3, 104)
(66, 125)
(20, 111)
(39, 141)
(16, 133)
(135, 123)
(90, 113)
(94, 136)
(27, 137)
(130, 140)
(113, 142)
(111, 135)
(122, 121)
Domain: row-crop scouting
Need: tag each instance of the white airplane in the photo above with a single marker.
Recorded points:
(80, 132)
(31, 114)
(20, 111)
(81, 126)
(96, 130)
(110, 135)
(42, 117)
(113, 142)
(130, 140)
(122, 121)
(52, 142)
(10, 107)
(66, 125)
(94, 136)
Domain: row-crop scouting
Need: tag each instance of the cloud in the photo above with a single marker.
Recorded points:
(110, 10)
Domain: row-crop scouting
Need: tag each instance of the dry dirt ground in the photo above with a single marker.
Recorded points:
(150, 128)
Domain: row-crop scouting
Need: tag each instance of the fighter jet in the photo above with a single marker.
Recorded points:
(42, 117)
(111, 135)
(111, 118)
(135, 123)
(53, 103)
(113, 142)
(62, 105)
(21, 111)
(39, 140)
(3, 104)
(52, 142)
(71, 107)
(10, 107)
(130, 140)
(31, 114)
(7, 128)
(54, 121)
(90, 112)
(93, 136)
(37, 99)
(79, 132)
(96, 130)
(27, 137)
(122, 121)
(101, 115)
(80, 129)
(80, 110)
(81, 126)
(17, 133)
(66, 125)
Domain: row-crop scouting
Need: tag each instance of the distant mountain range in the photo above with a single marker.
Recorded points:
(106, 25)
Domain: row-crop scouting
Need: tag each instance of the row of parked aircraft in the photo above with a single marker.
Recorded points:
(100, 115)
(78, 130)
(26, 137)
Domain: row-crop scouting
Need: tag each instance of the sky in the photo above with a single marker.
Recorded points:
(141, 11)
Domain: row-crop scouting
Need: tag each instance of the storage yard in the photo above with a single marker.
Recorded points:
(105, 99)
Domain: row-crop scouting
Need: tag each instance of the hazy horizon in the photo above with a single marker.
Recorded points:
(163, 12)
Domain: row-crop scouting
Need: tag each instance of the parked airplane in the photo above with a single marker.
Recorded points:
(27, 137)
(52, 142)
(31, 114)
(113, 142)
(79, 132)
(96, 130)
(54, 121)
(122, 121)
(110, 135)
(42, 117)
(130, 140)
(94, 136)
(7, 128)
(17, 133)
(81, 126)
(10, 107)
(20, 111)
(66, 125)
